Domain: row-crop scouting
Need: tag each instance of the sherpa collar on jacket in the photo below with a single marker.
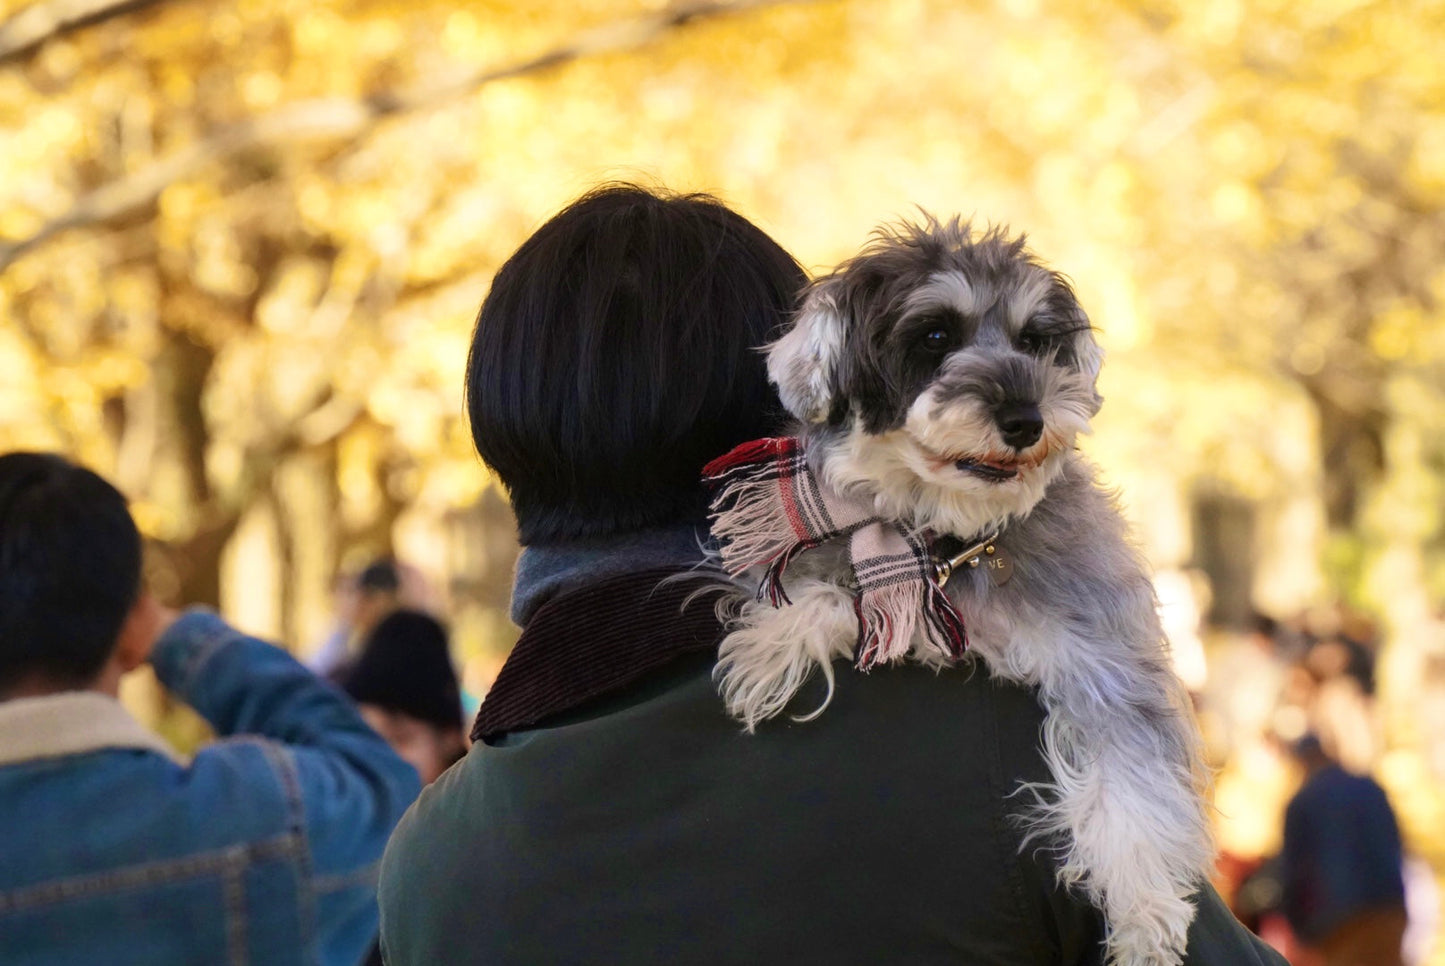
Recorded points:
(591, 641)
(71, 723)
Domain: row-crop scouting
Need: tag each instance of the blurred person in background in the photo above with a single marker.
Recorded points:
(609, 810)
(1342, 706)
(259, 850)
(1342, 865)
(362, 600)
(406, 686)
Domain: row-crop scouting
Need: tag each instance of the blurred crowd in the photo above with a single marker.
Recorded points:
(1289, 711)
(394, 659)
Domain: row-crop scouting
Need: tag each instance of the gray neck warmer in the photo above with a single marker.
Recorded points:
(545, 570)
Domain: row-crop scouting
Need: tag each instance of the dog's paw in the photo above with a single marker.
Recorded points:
(771, 652)
(1155, 936)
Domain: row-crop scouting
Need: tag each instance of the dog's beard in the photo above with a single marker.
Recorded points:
(948, 469)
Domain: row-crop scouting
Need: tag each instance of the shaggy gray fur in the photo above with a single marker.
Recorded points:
(900, 368)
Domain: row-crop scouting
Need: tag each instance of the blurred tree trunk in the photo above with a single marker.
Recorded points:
(182, 368)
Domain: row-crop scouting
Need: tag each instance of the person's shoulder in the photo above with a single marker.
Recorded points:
(167, 809)
(1335, 783)
(1217, 938)
(243, 782)
(964, 704)
(952, 710)
(443, 862)
(424, 843)
(921, 727)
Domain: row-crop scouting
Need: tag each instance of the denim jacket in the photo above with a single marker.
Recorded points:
(262, 850)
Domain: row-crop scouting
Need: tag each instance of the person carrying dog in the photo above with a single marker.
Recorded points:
(610, 811)
(262, 849)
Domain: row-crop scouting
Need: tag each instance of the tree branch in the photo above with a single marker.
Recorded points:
(339, 118)
(39, 22)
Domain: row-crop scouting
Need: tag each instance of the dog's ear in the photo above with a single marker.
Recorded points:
(1087, 354)
(1087, 351)
(1091, 360)
(1090, 356)
(804, 363)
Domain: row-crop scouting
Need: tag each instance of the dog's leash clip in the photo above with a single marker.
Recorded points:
(969, 557)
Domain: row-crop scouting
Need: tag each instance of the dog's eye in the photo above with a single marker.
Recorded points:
(1034, 342)
(938, 340)
(1056, 346)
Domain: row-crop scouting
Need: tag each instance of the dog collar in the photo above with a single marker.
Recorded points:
(983, 553)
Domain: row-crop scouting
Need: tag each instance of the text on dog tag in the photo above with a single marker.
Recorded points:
(998, 565)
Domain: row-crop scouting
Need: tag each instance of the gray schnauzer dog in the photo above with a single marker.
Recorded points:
(940, 379)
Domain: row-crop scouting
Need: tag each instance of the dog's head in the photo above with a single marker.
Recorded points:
(944, 374)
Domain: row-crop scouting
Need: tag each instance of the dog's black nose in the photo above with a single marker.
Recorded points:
(1021, 423)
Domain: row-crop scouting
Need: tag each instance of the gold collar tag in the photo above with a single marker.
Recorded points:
(986, 554)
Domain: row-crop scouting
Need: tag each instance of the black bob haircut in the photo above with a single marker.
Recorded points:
(617, 352)
(70, 571)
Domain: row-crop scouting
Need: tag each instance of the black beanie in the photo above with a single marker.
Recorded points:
(405, 666)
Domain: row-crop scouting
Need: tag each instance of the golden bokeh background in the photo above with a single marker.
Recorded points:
(242, 243)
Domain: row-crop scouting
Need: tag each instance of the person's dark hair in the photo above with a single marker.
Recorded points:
(70, 570)
(617, 352)
(406, 665)
(1263, 625)
(1308, 750)
(379, 576)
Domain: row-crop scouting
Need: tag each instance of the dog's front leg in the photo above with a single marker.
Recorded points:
(770, 651)
(1127, 802)
(1124, 808)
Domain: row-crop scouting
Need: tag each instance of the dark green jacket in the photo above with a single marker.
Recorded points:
(644, 826)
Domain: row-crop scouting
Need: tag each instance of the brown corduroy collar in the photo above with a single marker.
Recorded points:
(589, 642)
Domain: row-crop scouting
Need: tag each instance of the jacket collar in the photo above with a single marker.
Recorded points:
(71, 723)
(546, 570)
(588, 642)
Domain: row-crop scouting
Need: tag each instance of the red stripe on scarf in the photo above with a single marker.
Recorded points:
(753, 451)
(790, 495)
